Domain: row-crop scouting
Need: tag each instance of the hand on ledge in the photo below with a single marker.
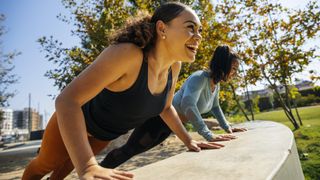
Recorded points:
(96, 171)
(197, 146)
(232, 130)
(223, 137)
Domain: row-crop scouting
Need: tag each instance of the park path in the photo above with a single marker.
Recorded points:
(12, 168)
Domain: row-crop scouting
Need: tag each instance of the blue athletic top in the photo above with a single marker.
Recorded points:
(195, 98)
(111, 114)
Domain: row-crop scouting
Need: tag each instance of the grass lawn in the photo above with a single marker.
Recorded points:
(307, 136)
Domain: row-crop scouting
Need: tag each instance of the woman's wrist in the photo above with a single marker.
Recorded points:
(187, 139)
(92, 162)
(209, 137)
(228, 130)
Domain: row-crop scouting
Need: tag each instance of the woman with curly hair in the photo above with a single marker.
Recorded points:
(132, 81)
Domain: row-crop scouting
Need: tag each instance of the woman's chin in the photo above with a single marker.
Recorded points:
(189, 59)
(192, 59)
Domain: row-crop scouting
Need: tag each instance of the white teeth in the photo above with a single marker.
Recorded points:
(192, 46)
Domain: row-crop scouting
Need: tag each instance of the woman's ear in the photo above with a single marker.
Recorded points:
(161, 29)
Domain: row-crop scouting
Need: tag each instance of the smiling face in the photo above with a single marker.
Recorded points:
(182, 35)
(224, 64)
(234, 68)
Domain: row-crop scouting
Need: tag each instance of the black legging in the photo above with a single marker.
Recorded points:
(148, 135)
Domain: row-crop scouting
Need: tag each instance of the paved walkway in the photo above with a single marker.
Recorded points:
(11, 167)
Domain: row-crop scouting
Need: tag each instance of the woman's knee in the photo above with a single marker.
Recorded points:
(36, 170)
(62, 171)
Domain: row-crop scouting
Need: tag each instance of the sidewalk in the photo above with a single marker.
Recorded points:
(13, 167)
(11, 145)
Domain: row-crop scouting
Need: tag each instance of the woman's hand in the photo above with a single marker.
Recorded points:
(232, 130)
(98, 172)
(223, 137)
(239, 129)
(197, 146)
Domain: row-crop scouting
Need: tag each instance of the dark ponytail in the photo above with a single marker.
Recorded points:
(221, 63)
(141, 30)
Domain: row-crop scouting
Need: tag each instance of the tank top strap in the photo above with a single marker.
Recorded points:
(170, 73)
(145, 57)
(169, 81)
(144, 68)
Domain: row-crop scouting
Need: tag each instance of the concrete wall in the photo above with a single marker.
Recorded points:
(266, 151)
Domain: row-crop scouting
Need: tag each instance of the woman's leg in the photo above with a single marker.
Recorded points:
(52, 153)
(65, 169)
(148, 135)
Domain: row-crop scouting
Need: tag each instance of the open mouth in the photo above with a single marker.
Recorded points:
(192, 48)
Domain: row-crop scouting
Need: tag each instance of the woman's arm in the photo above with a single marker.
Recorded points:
(190, 97)
(169, 114)
(217, 112)
(171, 118)
(111, 65)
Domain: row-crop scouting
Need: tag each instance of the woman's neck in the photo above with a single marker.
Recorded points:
(212, 85)
(159, 62)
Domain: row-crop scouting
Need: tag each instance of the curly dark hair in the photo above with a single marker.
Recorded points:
(141, 30)
(221, 63)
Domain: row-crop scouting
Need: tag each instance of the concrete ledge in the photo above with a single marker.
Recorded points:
(266, 151)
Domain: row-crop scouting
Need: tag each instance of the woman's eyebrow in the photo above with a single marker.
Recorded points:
(189, 21)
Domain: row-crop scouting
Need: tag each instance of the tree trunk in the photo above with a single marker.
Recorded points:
(297, 112)
(238, 103)
(248, 96)
(289, 100)
(250, 103)
(286, 104)
(287, 111)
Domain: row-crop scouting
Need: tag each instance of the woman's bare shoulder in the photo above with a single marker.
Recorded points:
(123, 52)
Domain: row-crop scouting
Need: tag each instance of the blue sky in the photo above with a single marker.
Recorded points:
(28, 20)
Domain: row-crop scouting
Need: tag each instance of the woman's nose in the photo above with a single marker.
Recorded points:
(198, 37)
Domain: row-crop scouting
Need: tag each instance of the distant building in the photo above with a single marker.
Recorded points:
(41, 123)
(18, 121)
(21, 119)
(34, 123)
(304, 85)
(301, 85)
(6, 124)
(262, 93)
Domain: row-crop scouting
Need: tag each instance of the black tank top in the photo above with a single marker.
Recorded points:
(111, 114)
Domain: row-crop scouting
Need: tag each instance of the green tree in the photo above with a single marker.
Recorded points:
(94, 21)
(220, 26)
(230, 17)
(273, 40)
(6, 76)
(255, 103)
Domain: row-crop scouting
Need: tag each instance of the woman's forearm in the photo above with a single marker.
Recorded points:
(74, 134)
(194, 117)
(171, 118)
(217, 112)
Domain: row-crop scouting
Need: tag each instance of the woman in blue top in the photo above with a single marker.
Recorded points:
(198, 95)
